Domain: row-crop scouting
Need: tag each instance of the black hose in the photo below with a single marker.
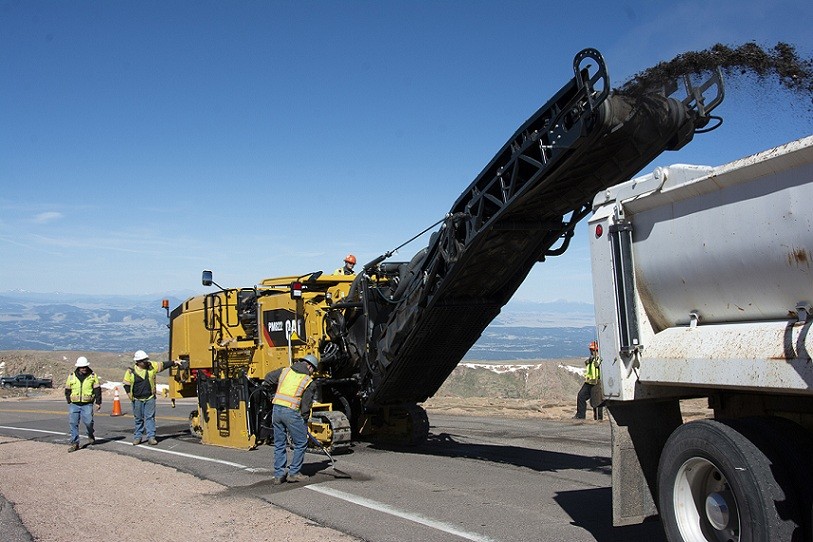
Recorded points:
(712, 127)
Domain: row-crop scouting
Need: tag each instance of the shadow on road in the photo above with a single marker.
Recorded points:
(444, 445)
(591, 509)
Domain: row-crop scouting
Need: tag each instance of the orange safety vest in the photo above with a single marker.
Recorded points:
(290, 388)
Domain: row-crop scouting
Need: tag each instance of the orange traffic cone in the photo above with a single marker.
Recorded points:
(116, 403)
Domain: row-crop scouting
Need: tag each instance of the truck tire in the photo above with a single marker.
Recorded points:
(787, 443)
(714, 484)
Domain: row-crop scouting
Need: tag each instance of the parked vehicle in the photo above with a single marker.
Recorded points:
(26, 381)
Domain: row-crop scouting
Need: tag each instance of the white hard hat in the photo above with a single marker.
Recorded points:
(140, 356)
(82, 361)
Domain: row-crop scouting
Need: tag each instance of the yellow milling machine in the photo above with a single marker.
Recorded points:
(387, 338)
(229, 340)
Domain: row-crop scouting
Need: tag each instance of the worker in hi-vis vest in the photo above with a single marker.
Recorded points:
(291, 408)
(82, 390)
(592, 375)
(139, 384)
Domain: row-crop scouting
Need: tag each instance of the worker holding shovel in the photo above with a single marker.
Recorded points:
(292, 406)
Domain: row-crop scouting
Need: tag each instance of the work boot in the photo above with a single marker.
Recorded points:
(136, 441)
(73, 447)
(298, 477)
(277, 480)
(152, 441)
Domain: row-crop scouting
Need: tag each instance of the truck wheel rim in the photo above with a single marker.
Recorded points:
(705, 507)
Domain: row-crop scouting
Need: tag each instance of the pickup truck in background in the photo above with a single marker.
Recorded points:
(26, 381)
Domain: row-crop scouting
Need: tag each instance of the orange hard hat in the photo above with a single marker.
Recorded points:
(593, 345)
(350, 259)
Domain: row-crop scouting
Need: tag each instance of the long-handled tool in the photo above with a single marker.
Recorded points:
(336, 472)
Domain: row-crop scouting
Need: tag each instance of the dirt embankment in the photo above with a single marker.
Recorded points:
(59, 363)
(541, 389)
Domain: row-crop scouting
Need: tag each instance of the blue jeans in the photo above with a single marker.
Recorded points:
(285, 419)
(83, 413)
(144, 414)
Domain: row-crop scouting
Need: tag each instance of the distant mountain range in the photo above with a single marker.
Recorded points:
(37, 321)
(530, 330)
(103, 323)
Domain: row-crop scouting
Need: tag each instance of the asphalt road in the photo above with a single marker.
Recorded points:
(479, 479)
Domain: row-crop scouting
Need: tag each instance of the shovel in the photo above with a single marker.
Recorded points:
(336, 472)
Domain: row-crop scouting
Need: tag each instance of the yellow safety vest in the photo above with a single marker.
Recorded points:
(145, 374)
(290, 388)
(593, 372)
(82, 390)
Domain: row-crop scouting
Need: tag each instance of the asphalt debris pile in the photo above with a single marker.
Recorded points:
(780, 63)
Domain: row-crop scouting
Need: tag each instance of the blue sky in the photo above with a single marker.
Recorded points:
(141, 142)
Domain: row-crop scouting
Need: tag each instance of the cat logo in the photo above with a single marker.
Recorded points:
(279, 325)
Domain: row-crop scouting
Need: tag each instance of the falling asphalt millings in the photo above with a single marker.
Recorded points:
(780, 63)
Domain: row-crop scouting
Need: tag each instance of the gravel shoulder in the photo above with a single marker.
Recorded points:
(93, 487)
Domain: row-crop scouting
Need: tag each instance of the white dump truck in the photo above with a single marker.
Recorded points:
(703, 286)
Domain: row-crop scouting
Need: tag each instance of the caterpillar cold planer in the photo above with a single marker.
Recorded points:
(389, 337)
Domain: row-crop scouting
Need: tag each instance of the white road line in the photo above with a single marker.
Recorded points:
(159, 450)
(417, 518)
(33, 430)
(182, 454)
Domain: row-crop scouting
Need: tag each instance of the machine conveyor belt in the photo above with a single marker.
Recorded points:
(525, 202)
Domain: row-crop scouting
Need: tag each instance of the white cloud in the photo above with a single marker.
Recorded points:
(45, 218)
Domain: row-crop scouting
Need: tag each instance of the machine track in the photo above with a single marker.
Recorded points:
(340, 431)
